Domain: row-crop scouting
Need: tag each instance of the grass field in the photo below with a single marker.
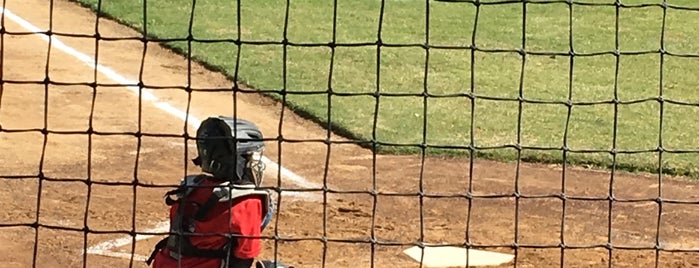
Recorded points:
(365, 69)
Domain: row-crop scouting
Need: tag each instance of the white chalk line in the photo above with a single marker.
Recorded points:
(106, 248)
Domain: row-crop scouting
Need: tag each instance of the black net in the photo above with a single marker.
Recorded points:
(348, 206)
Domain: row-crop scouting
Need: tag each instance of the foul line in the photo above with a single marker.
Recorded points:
(105, 248)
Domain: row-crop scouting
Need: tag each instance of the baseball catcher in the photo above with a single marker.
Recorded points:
(216, 217)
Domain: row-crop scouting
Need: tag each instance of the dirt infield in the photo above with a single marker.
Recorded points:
(395, 218)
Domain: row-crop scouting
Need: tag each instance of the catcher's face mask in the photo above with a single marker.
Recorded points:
(254, 167)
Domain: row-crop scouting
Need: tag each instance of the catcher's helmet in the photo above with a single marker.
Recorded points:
(230, 149)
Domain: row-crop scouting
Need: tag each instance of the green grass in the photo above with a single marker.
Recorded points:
(402, 70)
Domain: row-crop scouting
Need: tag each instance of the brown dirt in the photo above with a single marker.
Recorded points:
(395, 218)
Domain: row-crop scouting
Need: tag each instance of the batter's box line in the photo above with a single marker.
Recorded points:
(107, 248)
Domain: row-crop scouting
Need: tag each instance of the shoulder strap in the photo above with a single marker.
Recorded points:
(210, 202)
(187, 185)
(229, 192)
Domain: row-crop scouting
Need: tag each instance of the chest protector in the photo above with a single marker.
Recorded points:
(189, 212)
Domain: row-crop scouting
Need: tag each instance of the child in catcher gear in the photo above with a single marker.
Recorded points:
(217, 217)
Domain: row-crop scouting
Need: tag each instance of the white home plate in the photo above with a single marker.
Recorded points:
(447, 256)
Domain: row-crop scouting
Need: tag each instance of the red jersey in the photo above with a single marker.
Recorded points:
(243, 218)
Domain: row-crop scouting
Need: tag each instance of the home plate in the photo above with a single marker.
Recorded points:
(449, 256)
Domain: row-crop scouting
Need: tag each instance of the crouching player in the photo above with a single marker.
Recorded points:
(216, 217)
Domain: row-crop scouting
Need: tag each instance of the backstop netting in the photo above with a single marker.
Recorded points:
(398, 133)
